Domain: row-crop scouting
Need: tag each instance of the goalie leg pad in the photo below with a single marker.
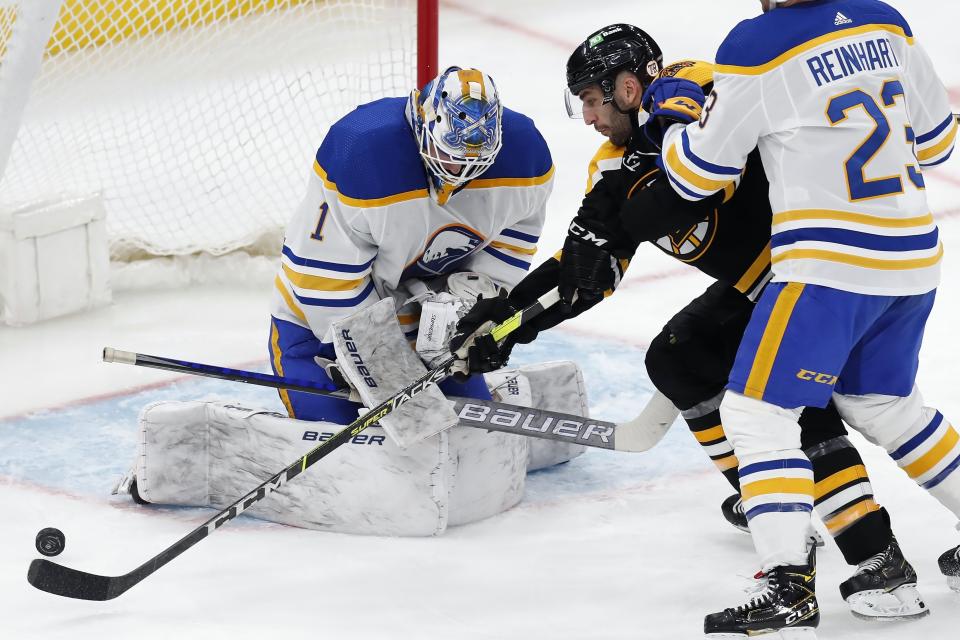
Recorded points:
(209, 454)
(555, 386)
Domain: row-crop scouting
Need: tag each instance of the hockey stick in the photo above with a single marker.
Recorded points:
(637, 435)
(71, 583)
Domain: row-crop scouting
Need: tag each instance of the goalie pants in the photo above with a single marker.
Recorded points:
(293, 350)
(690, 362)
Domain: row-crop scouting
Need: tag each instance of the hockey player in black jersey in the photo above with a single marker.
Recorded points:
(726, 237)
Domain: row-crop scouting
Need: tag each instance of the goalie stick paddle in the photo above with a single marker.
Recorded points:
(637, 435)
(72, 583)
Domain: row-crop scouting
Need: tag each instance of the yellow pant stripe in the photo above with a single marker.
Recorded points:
(770, 342)
(839, 479)
(803, 486)
(933, 457)
(278, 366)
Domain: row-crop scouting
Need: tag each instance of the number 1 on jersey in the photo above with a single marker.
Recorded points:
(317, 235)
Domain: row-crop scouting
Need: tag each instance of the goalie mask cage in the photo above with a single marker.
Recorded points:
(195, 120)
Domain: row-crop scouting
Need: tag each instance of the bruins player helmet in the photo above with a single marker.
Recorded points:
(607, 52)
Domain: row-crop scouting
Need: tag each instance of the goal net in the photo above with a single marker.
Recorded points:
(195, 120)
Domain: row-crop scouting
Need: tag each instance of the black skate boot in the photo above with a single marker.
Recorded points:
(732, 509)
(786, 608)
(127, 484)
(950, 567)
(884, 587)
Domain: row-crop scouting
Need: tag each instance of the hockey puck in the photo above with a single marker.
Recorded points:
(51, 541)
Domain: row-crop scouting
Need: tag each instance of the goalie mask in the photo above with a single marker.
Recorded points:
(457, 120)
(603, 55)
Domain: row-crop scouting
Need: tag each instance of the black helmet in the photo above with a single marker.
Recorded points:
(618, 47)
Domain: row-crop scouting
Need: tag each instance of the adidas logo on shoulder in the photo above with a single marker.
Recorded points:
(842, 19)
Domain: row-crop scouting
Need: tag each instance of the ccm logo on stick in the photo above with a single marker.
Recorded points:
(357, 360)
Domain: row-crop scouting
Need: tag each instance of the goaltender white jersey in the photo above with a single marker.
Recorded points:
(846, 109)
(369, 221)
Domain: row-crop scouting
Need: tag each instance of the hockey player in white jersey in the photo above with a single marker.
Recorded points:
(405, 191)
(846, 110)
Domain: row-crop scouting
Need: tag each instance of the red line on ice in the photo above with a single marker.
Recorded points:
(127, 391)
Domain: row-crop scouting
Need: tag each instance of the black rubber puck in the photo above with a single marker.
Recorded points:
(51, 541)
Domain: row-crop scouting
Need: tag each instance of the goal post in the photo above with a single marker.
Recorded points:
(193, 120)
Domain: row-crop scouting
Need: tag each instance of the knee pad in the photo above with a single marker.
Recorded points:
(687, 372)
(756, 427)
(885, 420)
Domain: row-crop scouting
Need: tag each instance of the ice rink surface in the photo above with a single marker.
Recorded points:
(609, 546)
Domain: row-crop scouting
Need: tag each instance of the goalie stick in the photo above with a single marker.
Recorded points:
(637, 435)
(72, 583)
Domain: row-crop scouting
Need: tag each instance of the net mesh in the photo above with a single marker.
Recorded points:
(197, 120)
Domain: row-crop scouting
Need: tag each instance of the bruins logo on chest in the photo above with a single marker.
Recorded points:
(689, 245)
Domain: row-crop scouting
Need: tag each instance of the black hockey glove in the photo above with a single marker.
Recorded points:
(478, 348)
(587, 267)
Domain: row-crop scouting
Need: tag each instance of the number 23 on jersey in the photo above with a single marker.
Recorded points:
(859, 186)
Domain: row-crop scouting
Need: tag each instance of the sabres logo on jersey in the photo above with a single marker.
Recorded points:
(690, 244)
(445, 248)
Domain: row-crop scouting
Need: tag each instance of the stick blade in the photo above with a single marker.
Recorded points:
(63, 581)
(647, 429)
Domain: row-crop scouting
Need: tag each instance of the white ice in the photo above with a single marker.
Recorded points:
(608, 546)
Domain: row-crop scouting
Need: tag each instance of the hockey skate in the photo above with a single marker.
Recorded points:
(785, 608)
(884, 587)
(127, 485)
(950, 567)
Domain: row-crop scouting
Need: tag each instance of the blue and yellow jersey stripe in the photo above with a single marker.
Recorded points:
(319, 283)
(694, 177)
(936, 146)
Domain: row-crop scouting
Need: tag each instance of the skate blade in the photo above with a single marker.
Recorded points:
(903, 603)
(795, 633)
